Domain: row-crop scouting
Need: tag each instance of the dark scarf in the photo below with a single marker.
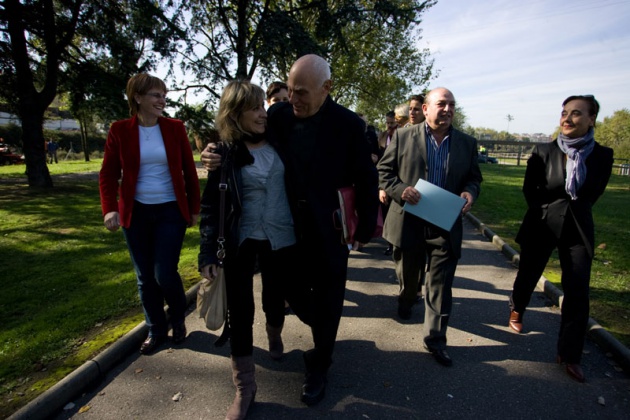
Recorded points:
(577, 150)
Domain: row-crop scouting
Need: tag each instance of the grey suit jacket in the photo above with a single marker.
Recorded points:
(405, 161)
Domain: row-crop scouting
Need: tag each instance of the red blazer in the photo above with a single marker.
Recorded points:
(122, 160)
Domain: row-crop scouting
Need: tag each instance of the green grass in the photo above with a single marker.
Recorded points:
(68, 287)
(501, 206)
(63, 167)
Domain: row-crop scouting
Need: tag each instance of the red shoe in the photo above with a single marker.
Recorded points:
(516, 321)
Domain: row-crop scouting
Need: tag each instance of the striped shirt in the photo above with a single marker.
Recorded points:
(437, 156)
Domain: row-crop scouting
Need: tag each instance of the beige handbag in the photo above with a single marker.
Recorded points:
(212, 301)
(212, 294)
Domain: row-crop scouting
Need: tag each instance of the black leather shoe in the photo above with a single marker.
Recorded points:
(388, 251)
(314, 388)
(441, 356)
(151, 343)
(404, 311)
(179, 333)
(574, 370)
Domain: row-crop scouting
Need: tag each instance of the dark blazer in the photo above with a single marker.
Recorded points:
(382, 143)
(122, 163)
(548, 204)
(405, 161)
(340, 158)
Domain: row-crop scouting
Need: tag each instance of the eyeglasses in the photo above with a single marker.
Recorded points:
(156, 95)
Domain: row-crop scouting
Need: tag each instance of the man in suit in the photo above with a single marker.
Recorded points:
(446, 157)
(323, 148)
(563, 180)
(384, 138)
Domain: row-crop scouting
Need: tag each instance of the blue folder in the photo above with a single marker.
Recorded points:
(436, 205)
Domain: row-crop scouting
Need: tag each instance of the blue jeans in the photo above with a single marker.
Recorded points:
(154, 238)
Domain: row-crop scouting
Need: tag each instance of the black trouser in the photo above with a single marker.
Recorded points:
(575, 263)
(317, 292)
(274, 270)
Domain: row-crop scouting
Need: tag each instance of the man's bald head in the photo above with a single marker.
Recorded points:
(309, 85)
(439, 109)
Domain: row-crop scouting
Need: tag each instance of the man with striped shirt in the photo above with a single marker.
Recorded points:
(446, 157)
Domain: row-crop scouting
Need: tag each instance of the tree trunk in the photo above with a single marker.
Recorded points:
(84, 138)
(34, 152)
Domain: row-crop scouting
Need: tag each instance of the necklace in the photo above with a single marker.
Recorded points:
(148, 131)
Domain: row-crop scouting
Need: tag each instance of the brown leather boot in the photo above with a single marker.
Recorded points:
(516, 321)
(276, 347)
(244, 379)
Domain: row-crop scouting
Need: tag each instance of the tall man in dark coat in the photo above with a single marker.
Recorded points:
(436, 152)
(323, 147)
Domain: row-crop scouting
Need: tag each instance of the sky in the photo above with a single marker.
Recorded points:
(523, 58)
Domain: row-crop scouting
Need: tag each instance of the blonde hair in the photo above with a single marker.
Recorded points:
(238, 96)
(140, 84)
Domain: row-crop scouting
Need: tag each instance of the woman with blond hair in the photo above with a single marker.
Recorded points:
(258, 226)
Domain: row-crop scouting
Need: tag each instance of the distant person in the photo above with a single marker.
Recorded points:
(277, 92)
(371, 137)
(401, 112)
(562, 182)
(51, 149)
(440, 154)
(416, 116)
(159, 198)
(384, 139)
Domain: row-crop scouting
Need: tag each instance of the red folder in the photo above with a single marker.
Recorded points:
(349, 218)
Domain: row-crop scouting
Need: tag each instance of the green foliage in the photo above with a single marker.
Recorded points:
(375, 65)
(501, 206)
(12, 134)
(87, 48)
(199, 125)
(614, 132)
(460, 118)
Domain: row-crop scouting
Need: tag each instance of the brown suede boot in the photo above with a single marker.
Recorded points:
(276, 347)
(245, 382)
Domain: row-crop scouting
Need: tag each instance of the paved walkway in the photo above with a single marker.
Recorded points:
(380, 369)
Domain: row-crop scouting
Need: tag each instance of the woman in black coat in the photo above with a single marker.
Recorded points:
(564, 179)
(258, 227)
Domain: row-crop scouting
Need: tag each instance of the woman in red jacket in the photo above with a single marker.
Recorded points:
(149, 187)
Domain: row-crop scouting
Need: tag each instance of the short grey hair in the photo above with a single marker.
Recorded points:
(402, 110)
(318, 66)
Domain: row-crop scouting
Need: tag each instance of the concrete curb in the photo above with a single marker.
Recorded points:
(595, 331)
(88, 374)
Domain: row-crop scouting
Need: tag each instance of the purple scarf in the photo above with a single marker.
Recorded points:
(577, 150)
